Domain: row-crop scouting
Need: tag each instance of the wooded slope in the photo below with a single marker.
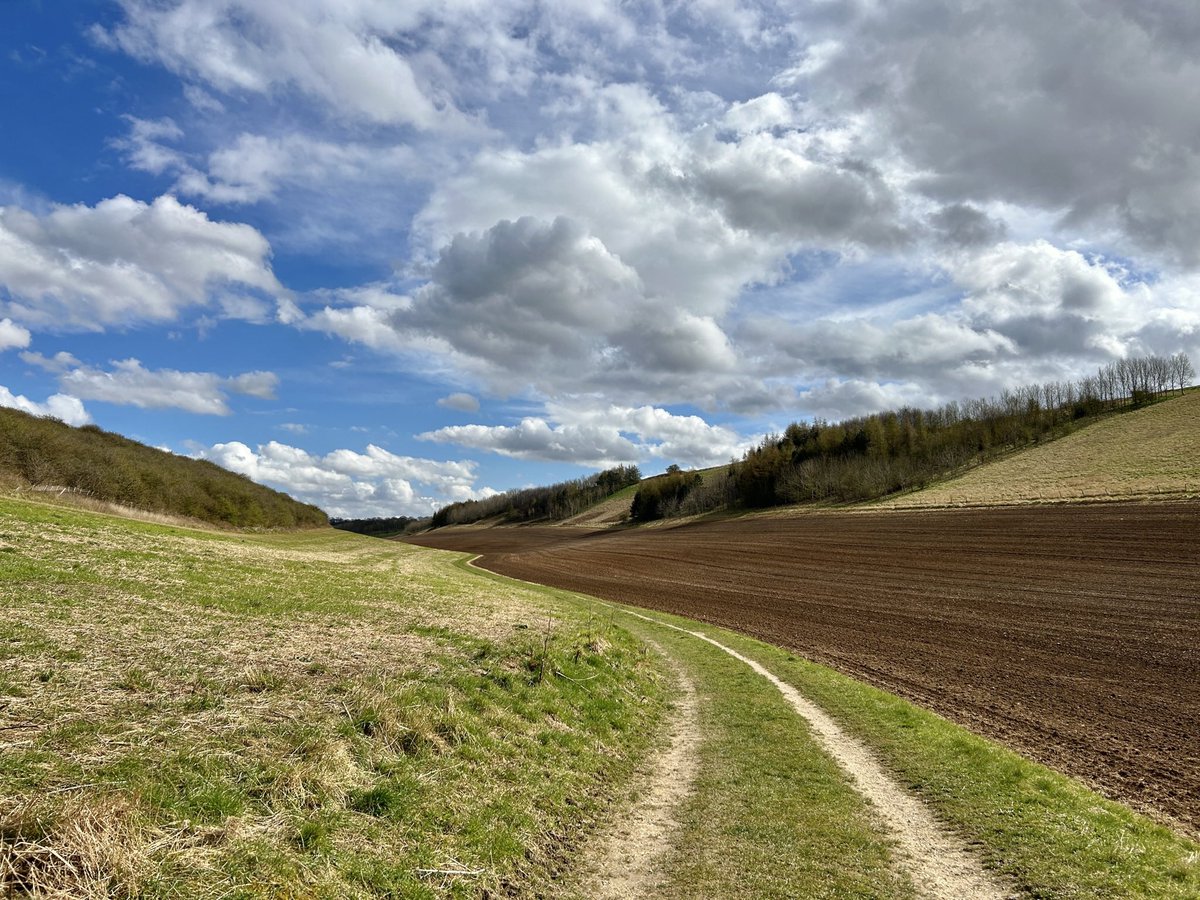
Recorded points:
(46, 453)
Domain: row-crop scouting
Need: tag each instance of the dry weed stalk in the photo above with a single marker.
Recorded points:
(89, 845)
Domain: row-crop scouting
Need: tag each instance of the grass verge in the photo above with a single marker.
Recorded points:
(771, 816)
(1051, 835)
(185, 713)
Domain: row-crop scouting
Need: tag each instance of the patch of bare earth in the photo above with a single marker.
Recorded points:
(626, 859)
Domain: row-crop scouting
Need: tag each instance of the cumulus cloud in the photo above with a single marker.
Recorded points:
(546, 302)
(349, 484)
(843, 398)
(601, 437)
(1010, 314)
(644, 205)
(535, 438)
(763, 113)
(1051, 301)
(13, 335)
(965, 225)
(255, 167)
(58, 363)
(129, 383)
(426, 66)
(794, 188)
(58, 406)
(999, 102)
(124, 262)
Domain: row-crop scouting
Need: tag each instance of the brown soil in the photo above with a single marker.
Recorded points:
(1071, 633)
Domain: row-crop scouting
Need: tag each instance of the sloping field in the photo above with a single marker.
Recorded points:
(190, 714)
(610, 511)
(1071, 633)
(1147, 453)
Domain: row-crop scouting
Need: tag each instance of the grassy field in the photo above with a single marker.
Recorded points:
(185, 713)
(193, 714)
(1144, 454)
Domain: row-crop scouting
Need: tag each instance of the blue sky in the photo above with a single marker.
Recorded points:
(385, 256)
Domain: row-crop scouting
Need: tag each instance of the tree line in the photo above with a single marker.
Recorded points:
(870, 456)
(558, 501)
(45, 452)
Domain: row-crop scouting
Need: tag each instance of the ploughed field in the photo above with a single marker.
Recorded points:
(1071, 633)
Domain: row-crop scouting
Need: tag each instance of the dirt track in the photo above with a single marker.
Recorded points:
(1071, 633)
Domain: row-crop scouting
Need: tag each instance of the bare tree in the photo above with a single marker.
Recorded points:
(1182, 373)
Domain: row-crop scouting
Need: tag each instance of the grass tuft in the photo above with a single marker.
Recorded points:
(98, 847)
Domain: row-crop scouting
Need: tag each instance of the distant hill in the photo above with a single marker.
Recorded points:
(552, 503)
(106, 467)
(1145, 453)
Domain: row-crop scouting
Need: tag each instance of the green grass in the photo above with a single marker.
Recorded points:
(771, 816)
(318, 714)
(1053, 836)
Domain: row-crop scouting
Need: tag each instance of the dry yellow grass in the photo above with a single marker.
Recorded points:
(190, 713)
(1151, 453)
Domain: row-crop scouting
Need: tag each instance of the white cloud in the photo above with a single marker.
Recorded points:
(535, 438)
(347, 58)
(57, 363)
(131, 384)
(611, 200)
(614, 266)
(586, 436)
(144, 147)
(367, 325)
(58, 406)
(202, 100)
(13, 335)
(542, 304)
(426, 65)
(762, 113)
(349, 484)
(124, 262)
(255, 167)
(843, 398)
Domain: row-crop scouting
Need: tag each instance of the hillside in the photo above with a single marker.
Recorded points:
(46, 454)
(613, 510)
(186, 713)
(1147, 453)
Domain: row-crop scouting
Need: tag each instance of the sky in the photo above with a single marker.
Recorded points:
(390, 255)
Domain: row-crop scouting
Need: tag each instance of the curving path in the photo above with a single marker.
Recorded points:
(1070, 633)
